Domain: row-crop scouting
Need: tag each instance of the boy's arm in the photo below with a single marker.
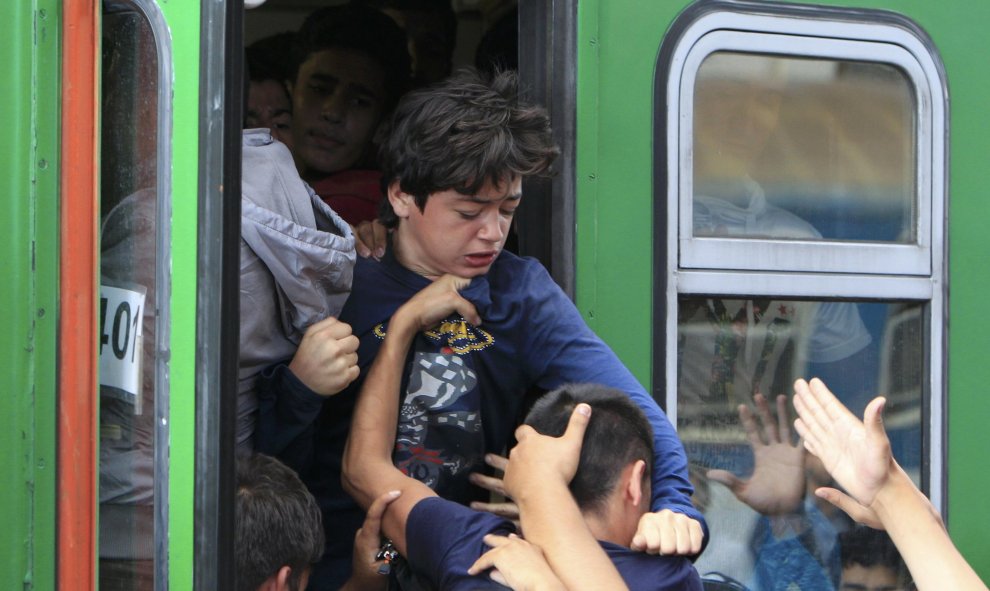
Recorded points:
(368, 468)
(563, 349)
(878, 491)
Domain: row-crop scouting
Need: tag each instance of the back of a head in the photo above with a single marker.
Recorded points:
(617, 435)
(361, 29)
(461, 133)
(277, 523)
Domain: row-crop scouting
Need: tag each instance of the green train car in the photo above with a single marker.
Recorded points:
(748, 192)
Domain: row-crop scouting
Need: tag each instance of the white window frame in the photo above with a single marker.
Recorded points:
(819, 270)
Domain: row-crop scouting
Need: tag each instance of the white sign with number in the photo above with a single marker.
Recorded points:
(121, 323)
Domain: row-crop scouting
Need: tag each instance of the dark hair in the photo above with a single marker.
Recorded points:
(868, 547)
(362, 29)
(269, 58)
(617, 435)
(277, 523)
(460, 134)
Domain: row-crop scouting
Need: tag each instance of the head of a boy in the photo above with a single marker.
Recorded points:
(870, 562)
(350, 67)
(612, 482)
(278, 527)
(452, 167)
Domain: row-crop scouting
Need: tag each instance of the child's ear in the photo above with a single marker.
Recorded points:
(402, 202)
(282, 578)
(634, 485)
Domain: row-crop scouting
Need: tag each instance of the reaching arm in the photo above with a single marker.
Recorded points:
(368, 468)
(878, 491)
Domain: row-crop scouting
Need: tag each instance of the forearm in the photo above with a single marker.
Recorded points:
(920, 537)
(287, 412)
(368, 468)
(551, 519)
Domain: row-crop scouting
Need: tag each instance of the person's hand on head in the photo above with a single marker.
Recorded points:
(326, 360)
(517, 564)
(777, 485)
(538, 459)
(370, 239)
(365, 575)
(436, 302)
(668, 533)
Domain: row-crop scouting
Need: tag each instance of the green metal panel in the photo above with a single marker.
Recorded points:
(183, 20)
(618, 45)
(30, 95)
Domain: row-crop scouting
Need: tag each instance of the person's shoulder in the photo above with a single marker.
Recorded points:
(514, 272)
(649, 572)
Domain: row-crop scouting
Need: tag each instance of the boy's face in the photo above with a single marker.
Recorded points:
(856, 577)
(268, 106)
(338, 99)
(455, 233)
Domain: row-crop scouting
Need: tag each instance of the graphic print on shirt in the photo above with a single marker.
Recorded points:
(439, 438)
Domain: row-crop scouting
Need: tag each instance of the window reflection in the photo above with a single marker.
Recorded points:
(128, 301)
(731, 349)
(792, 148)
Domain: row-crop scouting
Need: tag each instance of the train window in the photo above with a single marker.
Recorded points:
(134, 297)
(799, 206)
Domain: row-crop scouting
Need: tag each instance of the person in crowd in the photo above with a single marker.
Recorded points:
(268, 101)
(870, 562)
(431, 26)
(877, 491)
(444, 540)
(351, 65)
(453, 166)
(280, 535)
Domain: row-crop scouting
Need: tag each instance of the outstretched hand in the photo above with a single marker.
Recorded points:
(538, 459)
(856, 453)
(777, 485)
(506, 509)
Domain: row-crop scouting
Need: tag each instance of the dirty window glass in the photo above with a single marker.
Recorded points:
(803, 149)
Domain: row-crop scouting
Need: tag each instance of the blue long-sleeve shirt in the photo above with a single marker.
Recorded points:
(463, 392)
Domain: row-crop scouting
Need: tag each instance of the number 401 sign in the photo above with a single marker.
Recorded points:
(120, 347)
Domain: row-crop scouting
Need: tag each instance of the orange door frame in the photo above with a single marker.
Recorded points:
(78, 273)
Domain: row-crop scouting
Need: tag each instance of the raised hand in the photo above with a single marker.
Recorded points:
(777, 485)
(326, 360)
(856, 454)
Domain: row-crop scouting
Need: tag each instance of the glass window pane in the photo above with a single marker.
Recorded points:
(780, 534)
(801, 148)
(129, 245)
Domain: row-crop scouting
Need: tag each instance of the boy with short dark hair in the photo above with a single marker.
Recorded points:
(350, 66)
(443, 539)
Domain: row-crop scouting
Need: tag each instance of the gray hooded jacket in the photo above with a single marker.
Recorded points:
(296, 264)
